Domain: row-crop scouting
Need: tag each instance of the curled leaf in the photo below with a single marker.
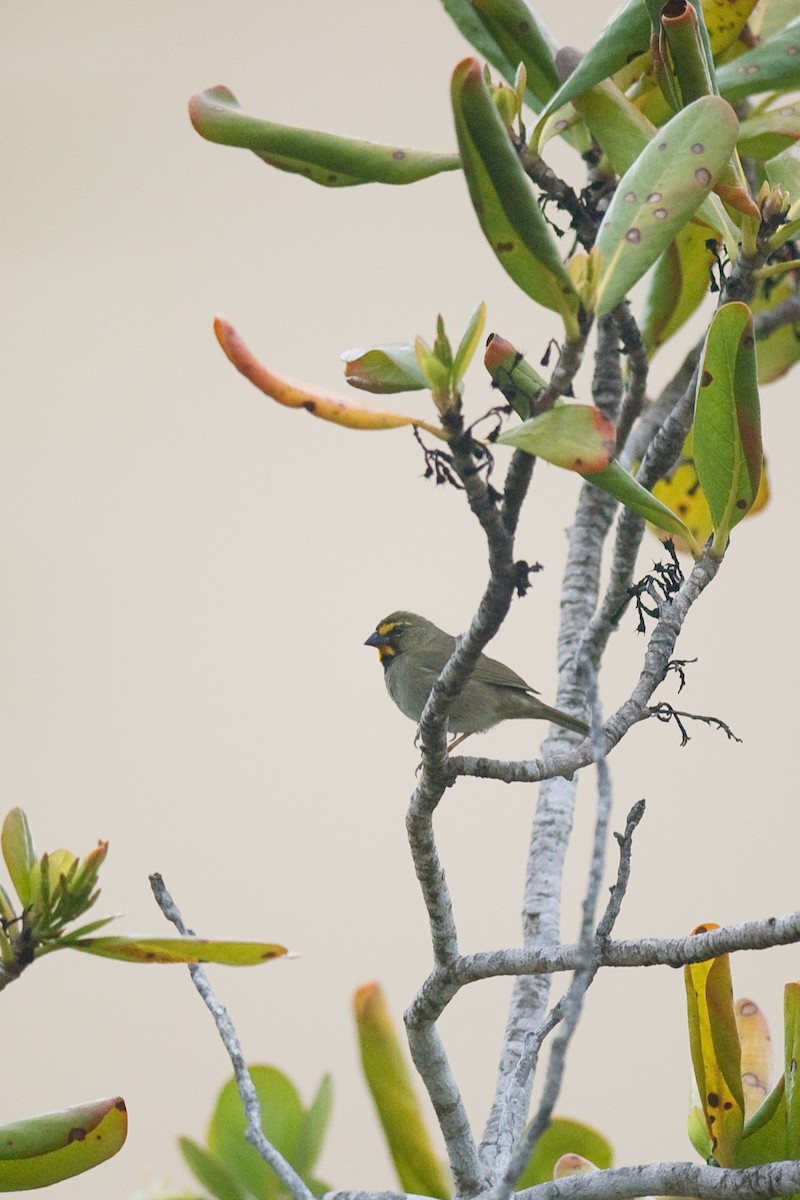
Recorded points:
(384, 369)
(328, 406)
(321, 157)
(503, 199)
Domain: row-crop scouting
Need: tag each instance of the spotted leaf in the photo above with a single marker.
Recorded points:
(716, 1054)
(328, 406)
(43, 1150)
(575, 436)
(179, 950)
(768, 133)
(772, 66)
(503, 199)
(515, 29)
(660, 192)
(626, 37)
(620, 483)
(728, 453)
(321, 157)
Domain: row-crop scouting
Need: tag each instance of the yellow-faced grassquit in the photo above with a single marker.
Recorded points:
(413, 652)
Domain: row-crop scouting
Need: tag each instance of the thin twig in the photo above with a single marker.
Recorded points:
(254, 1132)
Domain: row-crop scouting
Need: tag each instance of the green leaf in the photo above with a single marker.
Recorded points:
(773, 15)
(728, 453)
(210, 1172)
(321, 157)
(625, 37)
(791, 1050)
(384, 369)
(698, 1133)
(470, 340)
(784, 171)
(661, 192)
(45, 1149)
(283, 1118)
(502, 196)
(315, 1126)
(19, 853)
(619, 483)
(772, 66)
(180, 950)
(515, 29)
(764, 1135)
(716, 1055)
(389, 1081)
(561, 1137)
(575, 436)
(767, 134)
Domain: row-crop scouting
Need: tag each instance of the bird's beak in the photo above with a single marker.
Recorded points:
(377, 639)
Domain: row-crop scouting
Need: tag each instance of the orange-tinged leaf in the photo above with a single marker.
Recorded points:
(328, 406)
(45, 1149)
(716, 1054)
(575, 436)
(180, 950)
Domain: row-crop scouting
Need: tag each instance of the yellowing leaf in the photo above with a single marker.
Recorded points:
(756, 1054)
(389, 1081)
(716, 1055)
(328, 406)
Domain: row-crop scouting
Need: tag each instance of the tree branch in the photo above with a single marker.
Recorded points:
(254, 1133)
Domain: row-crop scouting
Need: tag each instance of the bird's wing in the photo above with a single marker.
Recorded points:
(489, 670)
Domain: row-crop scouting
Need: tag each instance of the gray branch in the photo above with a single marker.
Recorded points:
(247, 1092)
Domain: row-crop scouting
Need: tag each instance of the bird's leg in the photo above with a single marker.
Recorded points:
(457, 742)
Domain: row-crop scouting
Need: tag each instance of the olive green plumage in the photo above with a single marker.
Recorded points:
(413, 652)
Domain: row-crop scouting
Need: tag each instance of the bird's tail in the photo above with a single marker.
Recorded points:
(564, 720)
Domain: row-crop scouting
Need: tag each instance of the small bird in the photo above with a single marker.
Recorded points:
(413, 652)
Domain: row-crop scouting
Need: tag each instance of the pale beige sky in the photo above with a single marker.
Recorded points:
(191, 573)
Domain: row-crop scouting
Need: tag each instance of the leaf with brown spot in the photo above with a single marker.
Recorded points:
(504, 200)
(575, 436)
(716, 1053)
(43, 1150)
(728, 453)
(180, 950)
(773, 66)
(328, 406)
(660, 193)
(323, 158)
